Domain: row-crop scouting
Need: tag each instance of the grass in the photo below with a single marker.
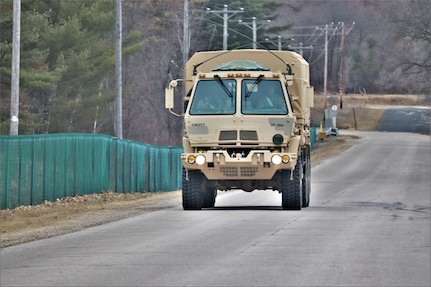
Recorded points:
(362, 112)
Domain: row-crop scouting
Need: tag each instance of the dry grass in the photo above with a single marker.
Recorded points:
(370, 101)
(27, 223)
(363, 112)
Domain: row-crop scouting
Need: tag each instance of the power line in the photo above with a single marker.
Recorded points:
(231, 30)
(225, 14)
(327, 29)
(254, 27)
(312, 32)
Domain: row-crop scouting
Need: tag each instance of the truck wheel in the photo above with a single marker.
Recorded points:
(291, 192)
(192, 196)
(306, 182)
(209, 197)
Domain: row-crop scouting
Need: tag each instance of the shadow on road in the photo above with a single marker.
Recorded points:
(414, 120)
(242, 207)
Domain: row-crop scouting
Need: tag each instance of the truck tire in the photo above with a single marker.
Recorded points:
(291, 191)
(209, 197)
(306, 182)
(192, 195)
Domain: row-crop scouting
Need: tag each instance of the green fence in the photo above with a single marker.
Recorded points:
(36, 168)
(313, 134)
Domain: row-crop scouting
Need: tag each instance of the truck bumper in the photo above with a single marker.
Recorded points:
(257, 165)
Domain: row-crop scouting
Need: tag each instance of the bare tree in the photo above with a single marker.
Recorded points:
(411, 23)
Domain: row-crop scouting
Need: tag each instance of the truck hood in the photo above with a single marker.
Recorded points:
(234, 130)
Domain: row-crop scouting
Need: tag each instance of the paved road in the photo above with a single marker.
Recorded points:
(407, 119)
(368, 225)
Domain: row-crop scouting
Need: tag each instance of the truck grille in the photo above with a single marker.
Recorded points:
(233, 135)
(227, 136)
(230, 171)
(248, 171)
(248, 135)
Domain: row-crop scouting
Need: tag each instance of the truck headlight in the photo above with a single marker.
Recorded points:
(276, 159)
(200, 159)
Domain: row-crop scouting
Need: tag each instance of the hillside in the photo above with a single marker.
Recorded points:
(68, 55)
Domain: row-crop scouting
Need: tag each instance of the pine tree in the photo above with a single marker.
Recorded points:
(67, 65)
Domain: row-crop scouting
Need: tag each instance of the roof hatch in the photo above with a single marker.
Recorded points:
(241, 65)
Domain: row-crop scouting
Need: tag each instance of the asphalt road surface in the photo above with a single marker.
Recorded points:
(406, 119)
(368, 225)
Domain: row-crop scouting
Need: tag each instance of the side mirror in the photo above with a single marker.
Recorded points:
(310, 97)
(169, 98)
(169, 94)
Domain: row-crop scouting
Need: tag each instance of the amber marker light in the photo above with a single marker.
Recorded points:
(285, 158)
(191, 159)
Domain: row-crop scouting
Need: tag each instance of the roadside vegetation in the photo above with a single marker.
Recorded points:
(67, 75)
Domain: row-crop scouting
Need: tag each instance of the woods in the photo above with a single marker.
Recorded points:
(68, 54)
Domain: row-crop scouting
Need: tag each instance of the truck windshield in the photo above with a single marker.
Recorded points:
(214, 97)
(262, 97)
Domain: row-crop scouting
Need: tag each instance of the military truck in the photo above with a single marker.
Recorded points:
(246, 125)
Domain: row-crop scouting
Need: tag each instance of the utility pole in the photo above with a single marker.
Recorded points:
(313, 37)
(16, 37)
(334, 30)
(343, 34)
(325, 73)
(254, 28)
(186, 37)
(118, 109)
(226, 15)
(300, 48)
(279, 42)
(342, 65)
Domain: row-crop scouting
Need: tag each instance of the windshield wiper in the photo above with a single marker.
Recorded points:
(256, 82)
(220, 81)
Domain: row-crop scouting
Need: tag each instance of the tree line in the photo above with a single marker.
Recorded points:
(68, 55)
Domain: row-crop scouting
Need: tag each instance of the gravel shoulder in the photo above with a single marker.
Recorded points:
(28, 223)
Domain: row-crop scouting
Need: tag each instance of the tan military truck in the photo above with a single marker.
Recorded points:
(246, 125)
